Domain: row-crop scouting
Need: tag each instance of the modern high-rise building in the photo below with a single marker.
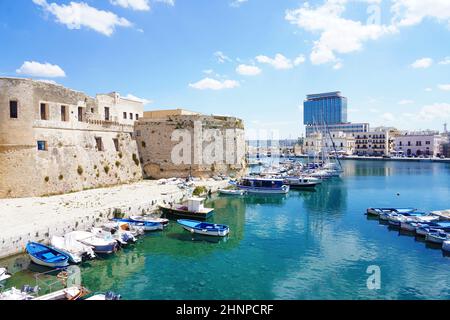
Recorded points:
(325, 108)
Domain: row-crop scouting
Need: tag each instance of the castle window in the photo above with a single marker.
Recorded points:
(116, 144)
(131, 116)
(13, 112)
(80, 114)
(106, 113)
(124, 115)
(42, 145)
(44, 111)
(99, 143)
(137, 116)
(64, 116)
(92, 110)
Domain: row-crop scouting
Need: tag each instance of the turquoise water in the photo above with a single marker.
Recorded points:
(306, 245)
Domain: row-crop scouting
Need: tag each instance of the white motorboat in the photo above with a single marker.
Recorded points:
(4, 274)
(26, 293)
(99, 245)
(263, 186)
(302, 182)
(437, 236)
(232, 192)
(114, 231)
(163, 221)
(73, 248)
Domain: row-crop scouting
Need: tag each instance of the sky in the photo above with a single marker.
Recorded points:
(253, 59)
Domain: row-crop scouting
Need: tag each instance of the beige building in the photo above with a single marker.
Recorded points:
(56, 140)
(427, 143)
(179, 143)
(373, 143)
(334, 142)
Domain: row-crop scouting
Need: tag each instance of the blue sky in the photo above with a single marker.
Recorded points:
(255, 59)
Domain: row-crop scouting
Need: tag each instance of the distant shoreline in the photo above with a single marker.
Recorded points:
(446, 160)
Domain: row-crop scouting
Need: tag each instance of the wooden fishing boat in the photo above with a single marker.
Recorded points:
(193, 209)
(205, 228)
(47, 256)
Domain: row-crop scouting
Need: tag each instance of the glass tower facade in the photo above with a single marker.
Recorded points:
(325, 108)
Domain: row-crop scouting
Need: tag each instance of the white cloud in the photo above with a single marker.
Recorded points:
(338, 66)
(208, 71)
(137, 5)
(405, 102)
(280, 62)
(337, 34)
(213, 84)
(79, 14)
(444, 87)
(446, 61)
(221, 57)
(168, 2)
(247, 70)
(237, 3)
(412, 12)
(36, 69)
(299, 60)
(134, 98)
(428, 89)
(423, 63)
(437, 111)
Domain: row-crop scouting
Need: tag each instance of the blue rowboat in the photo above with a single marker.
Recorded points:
(204, 228)
(146, 225)
(47, 256)
(385, 211)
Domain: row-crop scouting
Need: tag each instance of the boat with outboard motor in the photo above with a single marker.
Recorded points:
(204, 228)
(263, 185)
(47, 256)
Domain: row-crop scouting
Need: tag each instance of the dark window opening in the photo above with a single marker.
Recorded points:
(124, 115)
(64, 113)
(116, 144)
(44, 111)
(80, 114)
(106, 113)
(42, 145)
(131, 116)
(13, 110)
(137, 116)
(99, 143)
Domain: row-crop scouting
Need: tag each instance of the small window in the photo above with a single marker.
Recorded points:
(137, 116)
(64, 116)
(92, 110)
(13, 112)
(42, 145)
(131, 116)
(44, 111)
(106, 113)
(99, 143)
(124, 115)
(116, 144)
(80, 114)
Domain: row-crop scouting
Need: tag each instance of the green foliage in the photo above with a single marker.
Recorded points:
(200, 190)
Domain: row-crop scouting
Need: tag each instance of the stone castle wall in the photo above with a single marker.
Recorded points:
(156, 147)
(71, 161)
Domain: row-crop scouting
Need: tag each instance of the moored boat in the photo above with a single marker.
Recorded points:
(105, 296)
(71, 293)
(26, 293)
(76, 251)
(437, 236)
(193, 209)
(145, 225)
(163, 221)
(446, 245)
(232, 192)
(4, 274)
(99, 245)
(263, 186)
(47, 256)
(379, 211)
(302, 182)
(204, 228)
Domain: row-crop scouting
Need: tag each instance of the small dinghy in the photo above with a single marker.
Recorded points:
(438, 236)
(385, 211)
(4, 274)
(99, 245)
(47, 256)
(146, 225)
(72, 293)
(232, 192)
(76, 251)
(204, 228)
(163, 221)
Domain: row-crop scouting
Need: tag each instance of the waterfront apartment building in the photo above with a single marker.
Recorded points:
(336, 142)
(377, 142)
(329, 108)
(56, 140)
(419, 143)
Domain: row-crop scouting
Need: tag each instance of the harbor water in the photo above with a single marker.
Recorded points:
(304, 245)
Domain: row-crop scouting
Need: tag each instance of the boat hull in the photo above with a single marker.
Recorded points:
(40, 262)
(174, 214)
(207, 233)
(434, 239)
(264, 190)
